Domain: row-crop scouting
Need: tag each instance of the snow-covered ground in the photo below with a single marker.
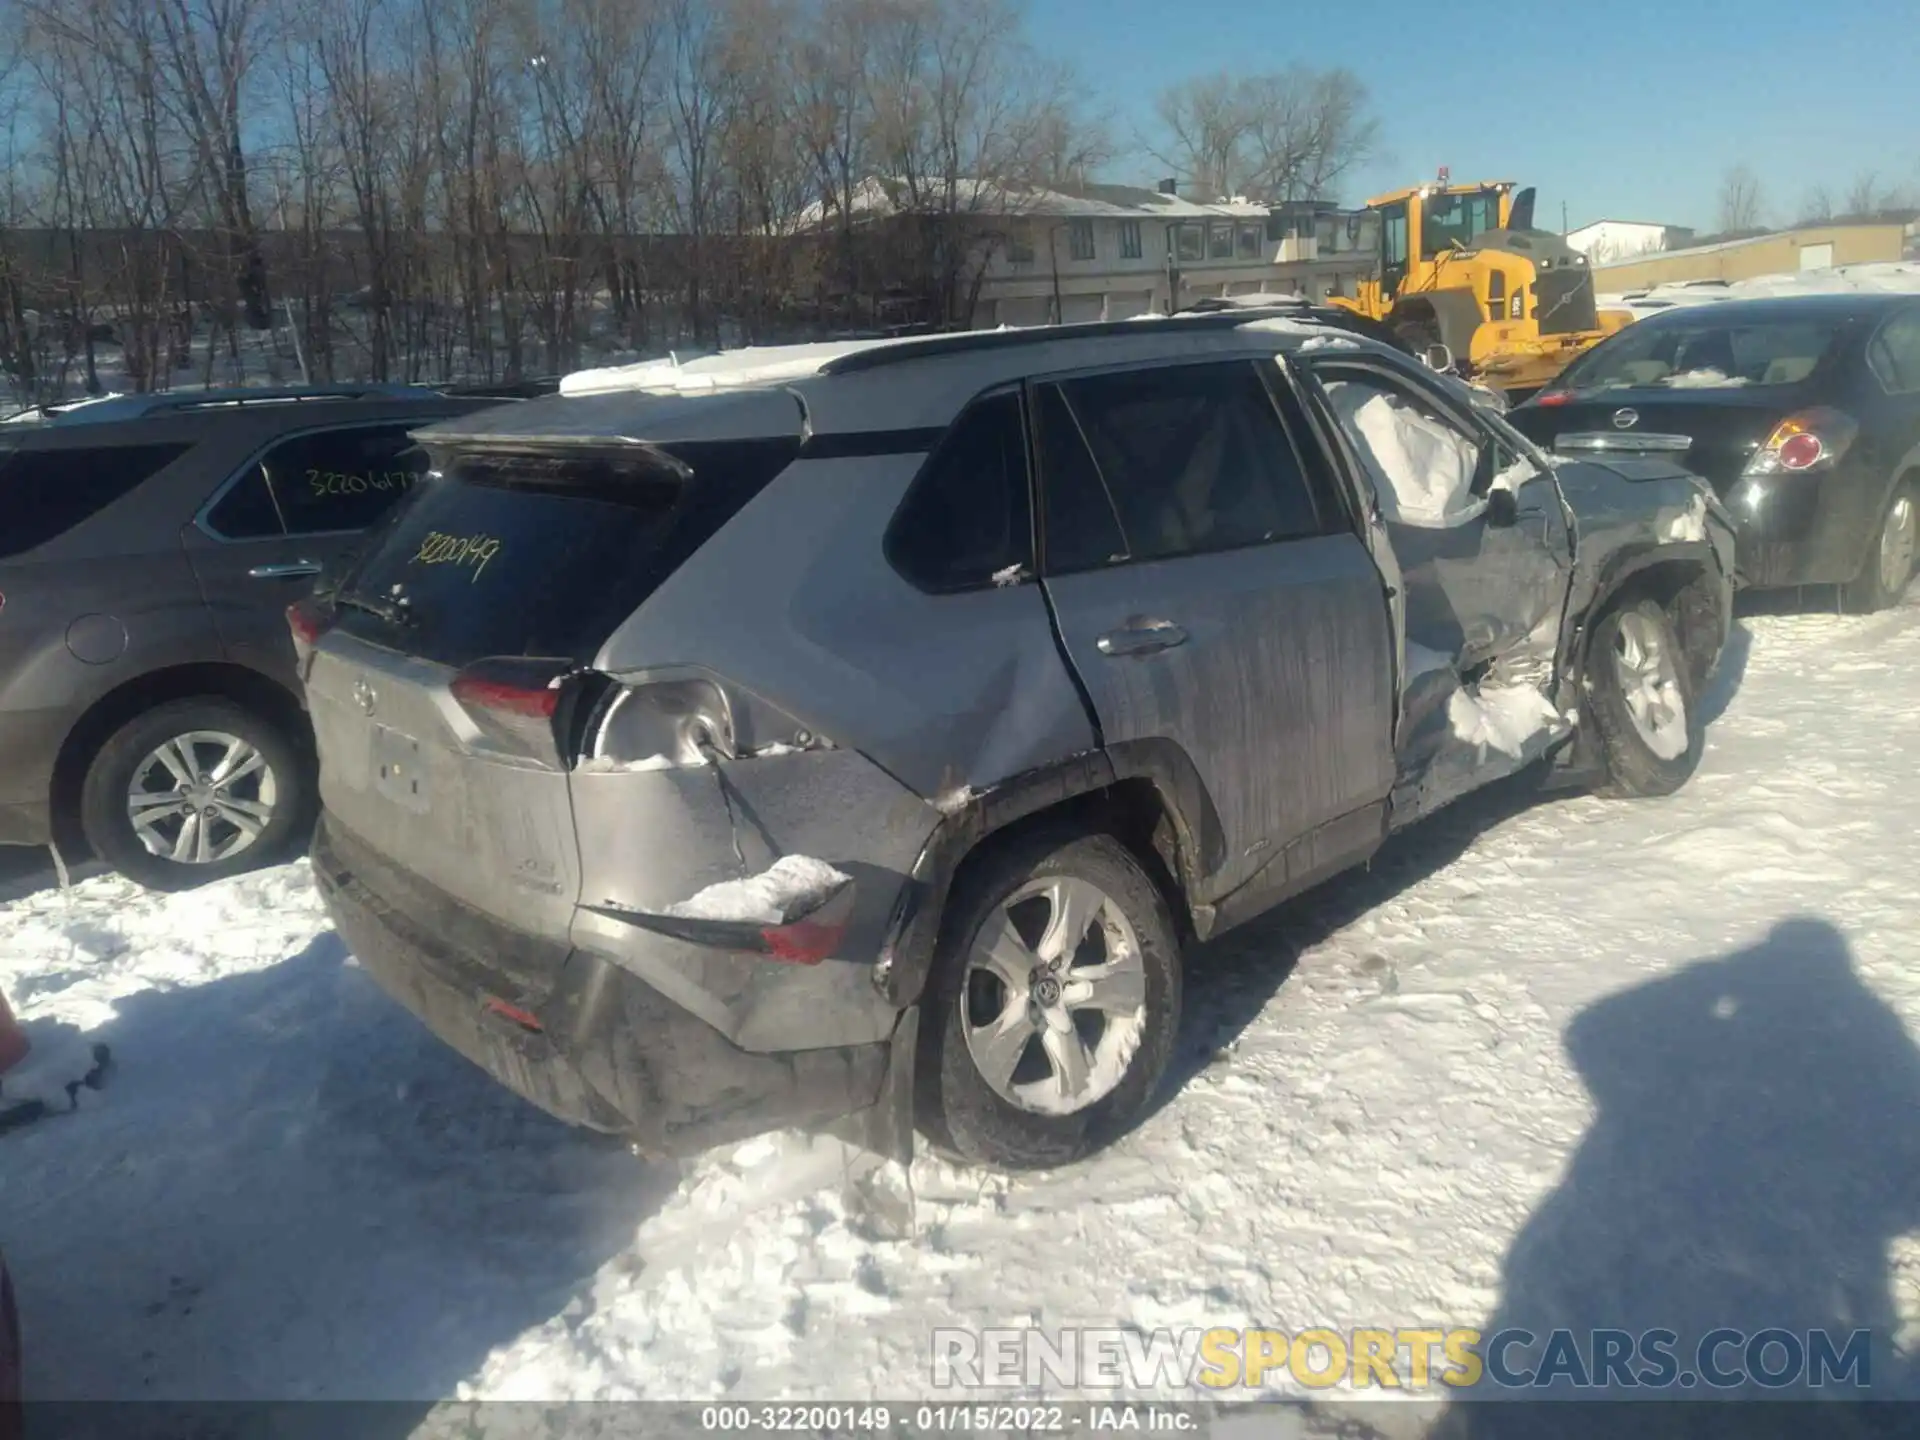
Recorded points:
(1625, 1061)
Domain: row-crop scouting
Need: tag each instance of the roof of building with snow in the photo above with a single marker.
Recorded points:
(877, 199)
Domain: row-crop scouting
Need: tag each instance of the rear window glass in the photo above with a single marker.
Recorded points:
(1705, 353)
(48, 492)
(544, 555)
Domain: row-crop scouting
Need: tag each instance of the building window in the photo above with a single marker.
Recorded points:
(1220, 241)
(1249, 242)
(1020, 246)
(1129, 239)
(1080, 239)
(1192, 242)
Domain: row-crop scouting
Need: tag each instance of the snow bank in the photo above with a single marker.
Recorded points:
(791, 887)
(1423, 470)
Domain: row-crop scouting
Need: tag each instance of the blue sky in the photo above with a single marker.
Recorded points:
(1627, 109)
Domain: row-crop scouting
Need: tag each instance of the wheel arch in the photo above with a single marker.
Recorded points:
(206, 680)
(1454, 313)
(1683, 580)
(1146, 793)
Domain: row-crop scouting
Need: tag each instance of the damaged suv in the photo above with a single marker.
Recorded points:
(854, 736)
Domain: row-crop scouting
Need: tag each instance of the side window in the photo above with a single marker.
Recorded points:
(1082, 530)
(341, 479)
(1894, 353)
(48, 492)
(247, 511)
(1193, 459)
(1422, 463)
(967, 520)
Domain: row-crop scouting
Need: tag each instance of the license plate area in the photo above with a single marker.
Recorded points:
(399, 770)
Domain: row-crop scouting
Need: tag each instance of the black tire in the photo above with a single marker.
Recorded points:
(1636, 764)
(104, 793)
(961, 1111)
(1873, 589)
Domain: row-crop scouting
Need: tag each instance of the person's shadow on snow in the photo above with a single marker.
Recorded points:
(1756, 1150)
(287, 1189)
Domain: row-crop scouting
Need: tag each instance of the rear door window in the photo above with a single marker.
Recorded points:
(1190, 459)
(544, 554)
(48, 492)
(324, 483)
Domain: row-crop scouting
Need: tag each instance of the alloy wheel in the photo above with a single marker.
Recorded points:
(1649, 679)
(201, 797)
(1054, 996)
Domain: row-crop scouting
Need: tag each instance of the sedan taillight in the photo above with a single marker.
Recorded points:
(1809, 440)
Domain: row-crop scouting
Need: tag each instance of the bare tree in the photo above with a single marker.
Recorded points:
(208, 48)
(1208, 124)
(1741, 201)
(1306, 130)
(1288, 135)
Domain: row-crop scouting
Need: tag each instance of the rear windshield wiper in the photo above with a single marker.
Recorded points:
(387, 610)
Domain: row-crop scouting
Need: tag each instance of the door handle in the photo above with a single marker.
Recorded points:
(292, 570)
(1145, 637)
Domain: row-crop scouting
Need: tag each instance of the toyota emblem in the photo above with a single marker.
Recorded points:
(364, 697)
(1625, 419)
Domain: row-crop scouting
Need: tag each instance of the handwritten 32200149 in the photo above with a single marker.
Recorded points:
(464, 550)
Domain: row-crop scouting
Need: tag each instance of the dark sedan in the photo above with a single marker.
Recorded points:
(1803, 413)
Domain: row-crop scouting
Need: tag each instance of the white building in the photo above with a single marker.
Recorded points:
(1111, 252)
(1607, 241)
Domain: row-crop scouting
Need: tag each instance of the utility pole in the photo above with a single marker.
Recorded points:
(1563, 217)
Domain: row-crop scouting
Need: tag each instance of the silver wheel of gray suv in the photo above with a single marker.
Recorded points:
(1054, 1004)
(193, 791)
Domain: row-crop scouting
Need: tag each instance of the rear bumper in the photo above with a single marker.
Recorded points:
(1802, 529)
(611, 1052)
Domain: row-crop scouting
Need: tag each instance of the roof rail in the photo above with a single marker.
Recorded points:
(973, 341)
(174, 402)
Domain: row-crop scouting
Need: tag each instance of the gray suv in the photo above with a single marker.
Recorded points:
(149, 709)
(858, 736)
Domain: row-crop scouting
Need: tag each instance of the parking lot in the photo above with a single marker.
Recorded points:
(1570, 1058)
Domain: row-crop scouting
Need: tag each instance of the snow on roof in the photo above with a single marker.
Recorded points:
(876, 198)
(752, 365)
(1883, 277)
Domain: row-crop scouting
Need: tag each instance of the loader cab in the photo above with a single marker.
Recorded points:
(1420, 224)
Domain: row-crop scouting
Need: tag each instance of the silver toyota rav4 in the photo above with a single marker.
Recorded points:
(856, 736)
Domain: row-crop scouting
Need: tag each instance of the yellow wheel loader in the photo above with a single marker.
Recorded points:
(1461, 266)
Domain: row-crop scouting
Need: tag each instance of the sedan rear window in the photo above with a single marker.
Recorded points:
(543, 554)
(1706, 353)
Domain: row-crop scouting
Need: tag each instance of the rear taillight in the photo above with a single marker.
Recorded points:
(306, 621)
(1811, 440)
(660, 724)
(515, 704)
(1553, 397)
